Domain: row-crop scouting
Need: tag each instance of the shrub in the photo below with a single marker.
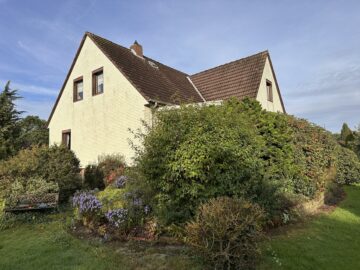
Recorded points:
(32, 186)
(117, 217)
(226, 232)
(111, 166)
(55, 164)
(314, 154)
(194, 153)
(348, 166)
(88, 207)
(111, 198)
(120, 181)
(93, 177)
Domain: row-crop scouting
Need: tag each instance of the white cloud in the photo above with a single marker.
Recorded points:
(32, 89)
(40, 108)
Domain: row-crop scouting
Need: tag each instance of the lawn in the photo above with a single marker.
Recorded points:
(331, 241)
(49, 246)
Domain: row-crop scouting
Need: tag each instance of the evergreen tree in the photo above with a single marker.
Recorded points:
(346, 135)
(356, 142)
(9, 119)
(33, 132)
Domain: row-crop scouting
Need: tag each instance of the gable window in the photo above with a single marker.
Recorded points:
(98, 82)
(78, 89)
(66, 138)
(269, 91)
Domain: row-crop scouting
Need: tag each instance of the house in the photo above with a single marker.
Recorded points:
(110, 89)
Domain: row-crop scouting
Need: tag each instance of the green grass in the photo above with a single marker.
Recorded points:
(331, 241)
(49, 246)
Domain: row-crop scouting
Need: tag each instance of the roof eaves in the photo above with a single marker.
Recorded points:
(67, 78)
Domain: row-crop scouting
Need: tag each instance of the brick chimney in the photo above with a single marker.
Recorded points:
(137, 49)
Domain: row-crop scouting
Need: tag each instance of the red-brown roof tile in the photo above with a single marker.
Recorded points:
(240, 78)
(152, 79)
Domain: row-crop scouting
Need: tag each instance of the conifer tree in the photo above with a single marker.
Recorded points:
(346, 135)
(9, 119)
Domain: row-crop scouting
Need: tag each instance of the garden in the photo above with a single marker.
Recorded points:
(211, 187)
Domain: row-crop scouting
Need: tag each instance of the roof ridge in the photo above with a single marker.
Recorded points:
(147, 57)
(231, 62)
(117, 44)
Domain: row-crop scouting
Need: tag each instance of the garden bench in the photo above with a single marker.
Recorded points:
(34, 202)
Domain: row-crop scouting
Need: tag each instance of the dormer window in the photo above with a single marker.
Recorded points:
(269, 91)
(78, 89)
(98, 82)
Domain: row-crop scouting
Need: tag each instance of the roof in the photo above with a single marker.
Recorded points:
(240, 78)
(157, 82)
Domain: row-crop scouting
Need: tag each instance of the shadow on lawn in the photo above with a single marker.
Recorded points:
(328, 241)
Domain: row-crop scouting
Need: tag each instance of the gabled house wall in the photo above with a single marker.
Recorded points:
(276, 104)
(99, 124)
(102, 124)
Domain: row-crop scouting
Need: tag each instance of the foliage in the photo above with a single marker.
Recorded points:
(93, 177)
(117, 217)
(111, 166)
(314, 155)
(31, 186)
(120, 181)
(194, 153)
(87, 204)
(349, 139)
(9, 118)
(226, 232)
(111, 198)
(346, 135)
(33, 131)
(56, 164)
(348, 166)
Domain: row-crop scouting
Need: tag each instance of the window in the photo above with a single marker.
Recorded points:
(78, 89)
(269, 90)
(98, 81)
(66, 138)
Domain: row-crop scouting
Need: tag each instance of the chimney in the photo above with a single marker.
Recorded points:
(137, 49)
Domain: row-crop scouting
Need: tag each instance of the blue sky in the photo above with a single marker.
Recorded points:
(314, 45)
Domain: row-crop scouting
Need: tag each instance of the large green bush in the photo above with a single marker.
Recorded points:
(55, 164)
(347, 166)
(314, 154)
(195, 153)
(226, 232)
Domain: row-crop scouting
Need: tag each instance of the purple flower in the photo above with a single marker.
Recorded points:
(86, 202)
(117, 217)
(120, 181)
(147, 209)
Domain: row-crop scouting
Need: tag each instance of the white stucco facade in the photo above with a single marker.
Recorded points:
(275, 105)
(99, 124)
